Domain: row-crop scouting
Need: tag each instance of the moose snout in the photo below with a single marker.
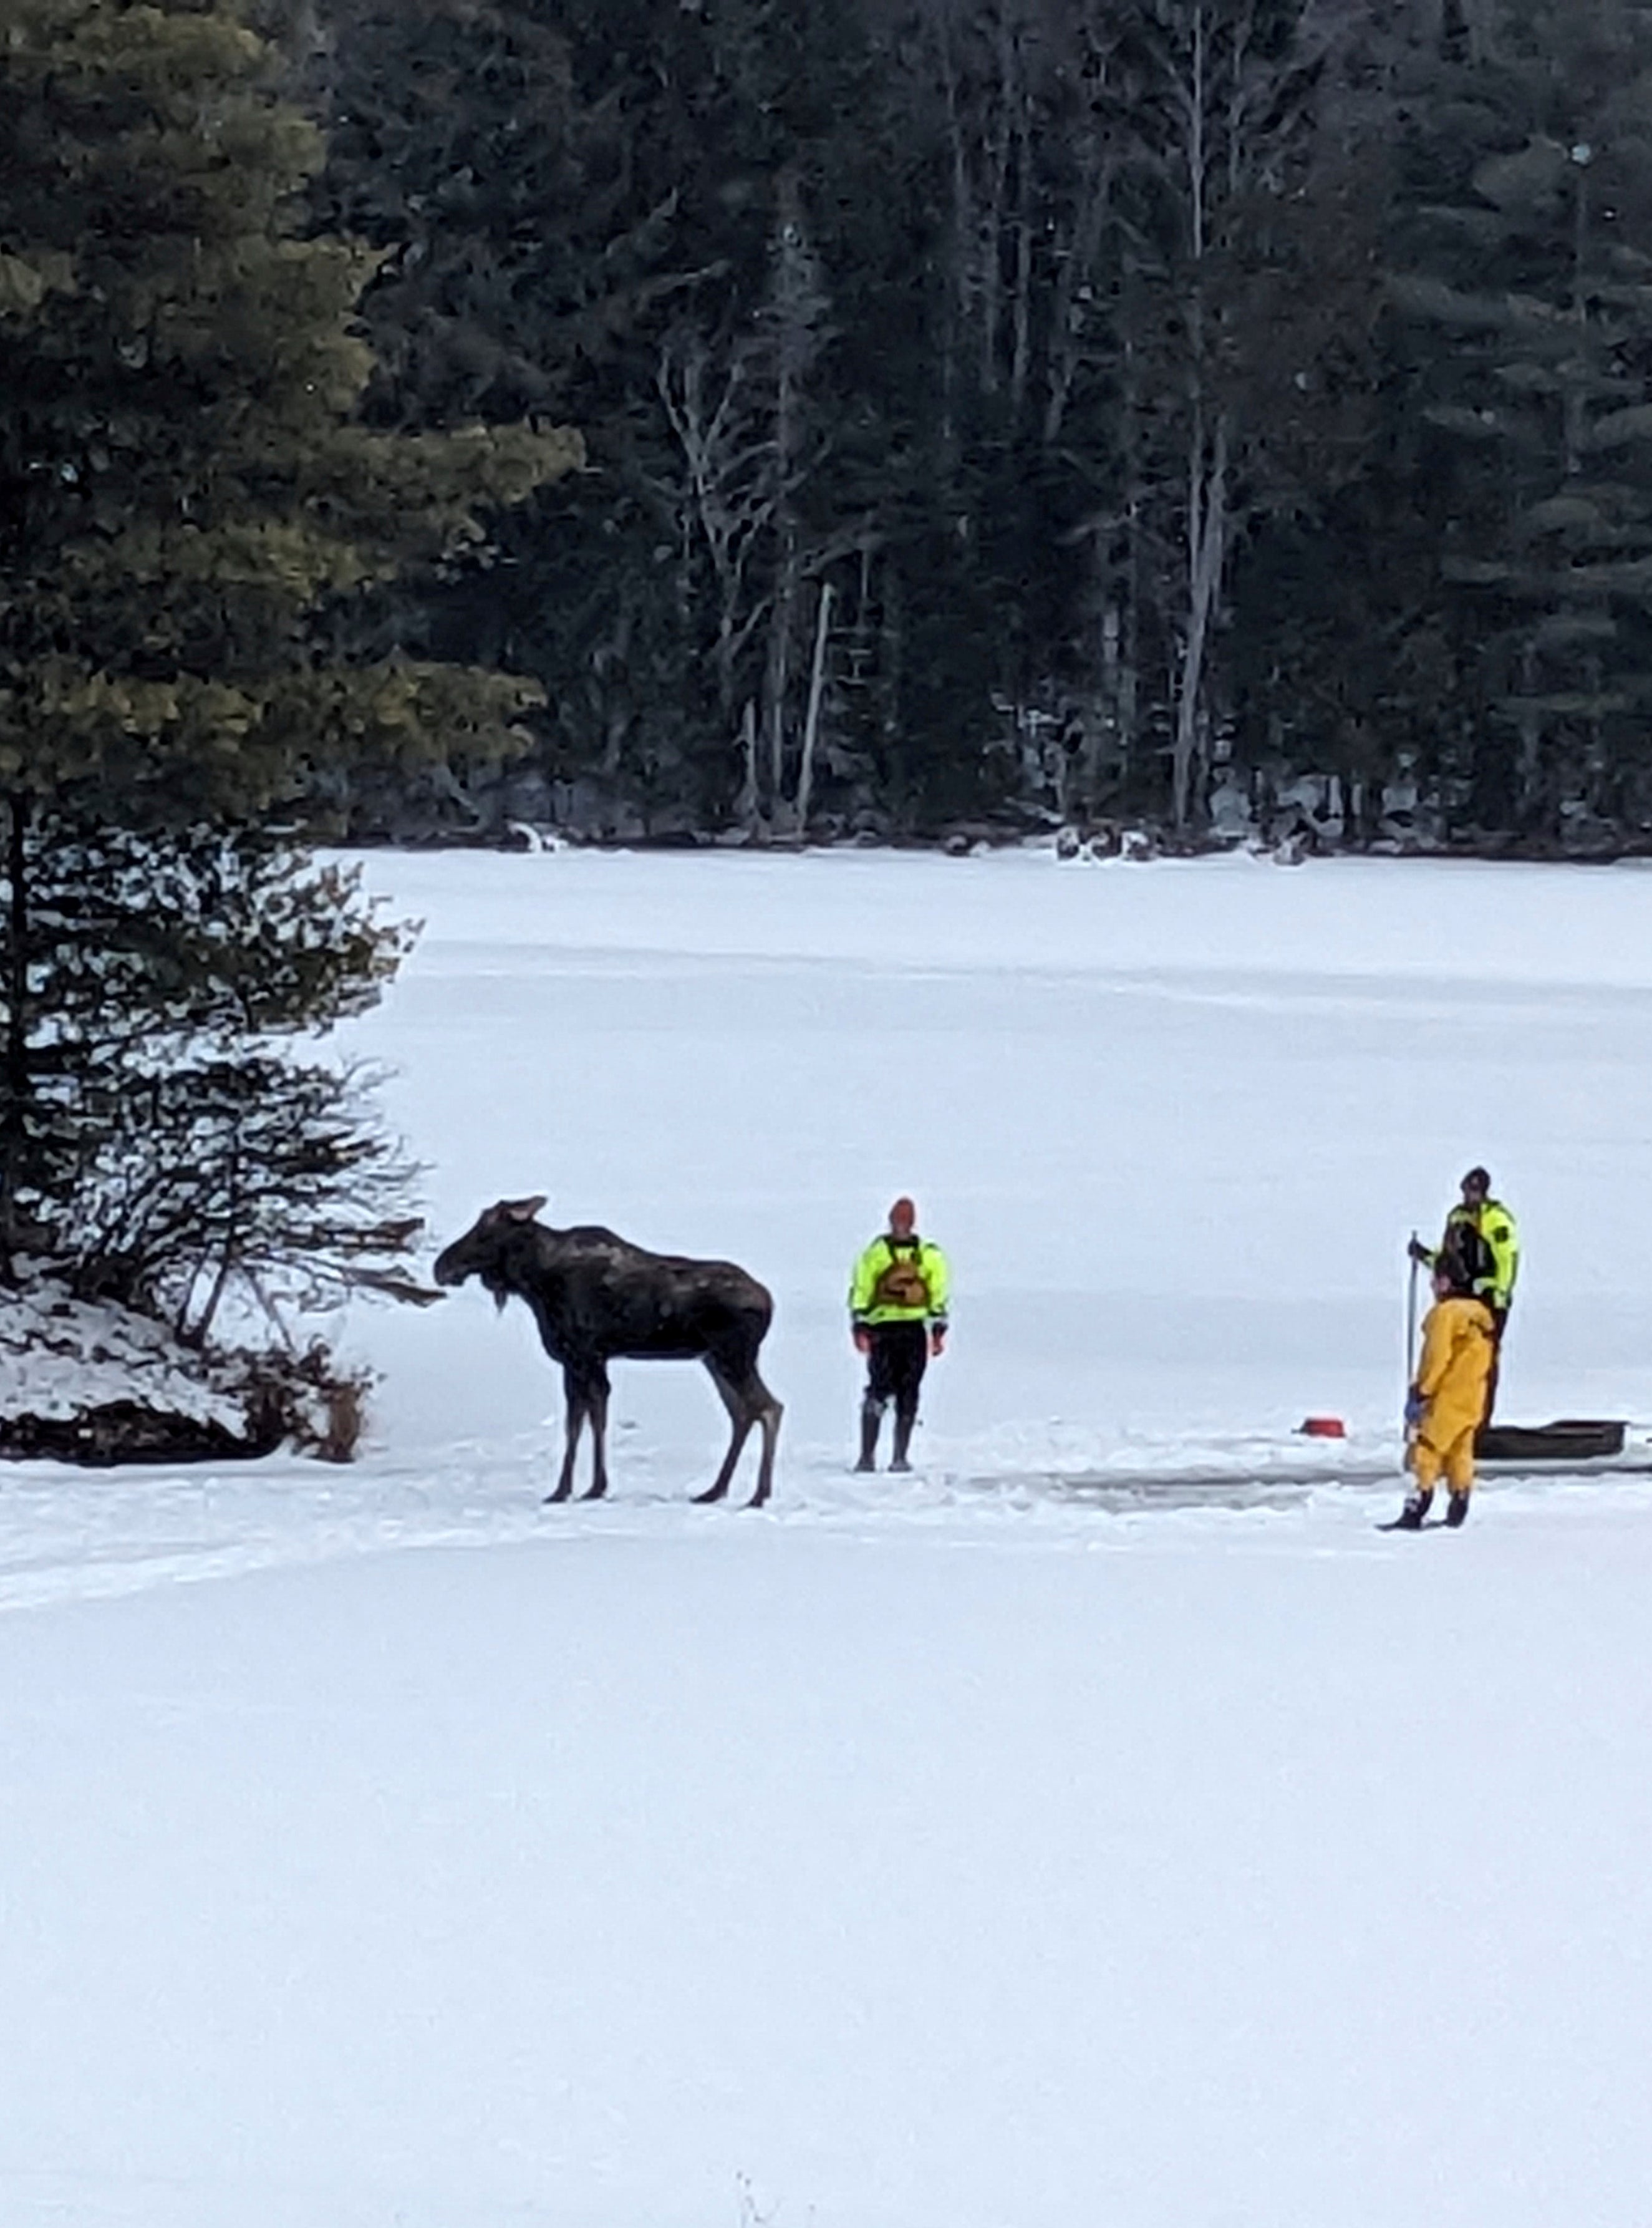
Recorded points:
(449, 1268)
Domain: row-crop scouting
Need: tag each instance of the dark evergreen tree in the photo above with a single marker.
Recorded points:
(1530, 288)
(190, 513)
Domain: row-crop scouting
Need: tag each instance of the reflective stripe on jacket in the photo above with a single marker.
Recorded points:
(1502, 1233)
(865, 1307)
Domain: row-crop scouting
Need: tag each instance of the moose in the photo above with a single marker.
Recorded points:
(594, 1296)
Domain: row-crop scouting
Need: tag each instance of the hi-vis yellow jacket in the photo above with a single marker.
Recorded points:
(1502, 1233)
(900, 1280)
(1452, 1375)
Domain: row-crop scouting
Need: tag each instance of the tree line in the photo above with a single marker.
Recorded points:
(1003, 409)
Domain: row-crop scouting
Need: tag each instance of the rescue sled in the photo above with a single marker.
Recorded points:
(1571, 1444)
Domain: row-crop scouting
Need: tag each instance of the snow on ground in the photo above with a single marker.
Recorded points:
(60, 1357)
(981, 1851)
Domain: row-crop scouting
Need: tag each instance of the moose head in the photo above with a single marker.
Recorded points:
(483, 1250)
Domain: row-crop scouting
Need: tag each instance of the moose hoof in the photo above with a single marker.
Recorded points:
(759, 1498)
(712, 1493)
(595, 1492)
(561, 1493)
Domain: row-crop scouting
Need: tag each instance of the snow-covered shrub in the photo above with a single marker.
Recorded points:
(93, 1382)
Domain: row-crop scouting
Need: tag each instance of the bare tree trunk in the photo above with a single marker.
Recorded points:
(1074, 270)
(955, 321)
(228, 1259)
(811, 722)
(1020, 302)
(1194, 109)
(1207, 462)
(612, 659)
(796, 305)
(1207, 557)
(746, 804)
(195, 1335)
(734, 491)
(990, 245)
(1529, 762)
(776, 676)
(1103, 724)
(14, 1062)
(1130, 663)
(892, 643)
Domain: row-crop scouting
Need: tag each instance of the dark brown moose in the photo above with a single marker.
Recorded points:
(594, 1298)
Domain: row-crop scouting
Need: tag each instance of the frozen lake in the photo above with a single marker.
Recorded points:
(1173, 1124)
(379, 1848)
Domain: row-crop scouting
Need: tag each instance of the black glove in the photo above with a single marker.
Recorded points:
(1419, 1252)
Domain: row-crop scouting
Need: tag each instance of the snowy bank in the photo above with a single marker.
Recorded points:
(97, 1384)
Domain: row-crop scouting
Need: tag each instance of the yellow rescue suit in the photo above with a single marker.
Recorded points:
(1458, 1343)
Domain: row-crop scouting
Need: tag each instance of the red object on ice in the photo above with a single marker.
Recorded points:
(1323, 1427)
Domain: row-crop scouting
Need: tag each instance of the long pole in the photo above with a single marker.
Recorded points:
(1411, 1333)
(1410, 1321)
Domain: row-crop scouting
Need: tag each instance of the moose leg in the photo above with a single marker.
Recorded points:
(742, 1423)
(748, 1401)
(597, 1409)
(574, 1400)
(769, 1412)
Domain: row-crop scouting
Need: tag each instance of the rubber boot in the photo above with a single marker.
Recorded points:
(1457, 1510)
(871, 1418)
(903, 1440)
(1411, 1516)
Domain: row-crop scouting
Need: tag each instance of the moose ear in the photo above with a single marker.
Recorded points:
(524, 1210)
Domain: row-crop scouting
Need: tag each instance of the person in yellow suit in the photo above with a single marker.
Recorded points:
(1444, 1406)
(897, 1319)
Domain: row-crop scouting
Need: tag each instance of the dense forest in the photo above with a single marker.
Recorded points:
(1188, 413)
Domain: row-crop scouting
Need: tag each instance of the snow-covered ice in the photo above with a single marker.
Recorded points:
(971, 1851)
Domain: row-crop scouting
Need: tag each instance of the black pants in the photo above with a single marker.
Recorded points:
(895, 1366)
(1498, 1325)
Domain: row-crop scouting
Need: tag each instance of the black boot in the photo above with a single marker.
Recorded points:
(871, 1418)
(1411, 1516)
(903, 1440)
(1457, 1510)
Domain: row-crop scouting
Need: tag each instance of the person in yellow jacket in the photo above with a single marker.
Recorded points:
(1483, 1238)
(1444, 1406)
(897, 1319)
